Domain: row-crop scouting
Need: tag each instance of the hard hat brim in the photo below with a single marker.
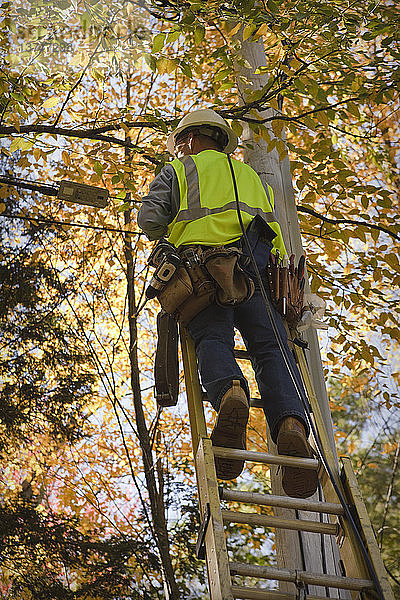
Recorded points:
(232, 137)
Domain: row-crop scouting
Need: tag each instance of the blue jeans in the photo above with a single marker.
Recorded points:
(212, 331)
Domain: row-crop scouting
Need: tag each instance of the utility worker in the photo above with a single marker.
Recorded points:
(192, 201)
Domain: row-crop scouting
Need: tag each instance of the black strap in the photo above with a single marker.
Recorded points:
(166, 365)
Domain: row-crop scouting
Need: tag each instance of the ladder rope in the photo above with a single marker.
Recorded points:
(300, 392)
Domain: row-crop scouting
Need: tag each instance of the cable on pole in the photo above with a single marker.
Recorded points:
(48, 190)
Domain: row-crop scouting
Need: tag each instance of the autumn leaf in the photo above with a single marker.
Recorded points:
(51, 102)
(166, 65)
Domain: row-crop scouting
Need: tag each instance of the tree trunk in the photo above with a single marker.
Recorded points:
(309, 552)
(155, 496)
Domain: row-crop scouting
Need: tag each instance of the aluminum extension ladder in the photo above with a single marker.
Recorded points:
(354, 580)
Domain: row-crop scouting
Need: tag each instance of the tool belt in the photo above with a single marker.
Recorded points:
(286, 285)
(208, 274)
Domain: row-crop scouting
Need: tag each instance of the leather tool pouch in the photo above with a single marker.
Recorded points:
(233, 284)
(190, 290)
(166, 364)
(203, 285)
(286, 286)
(177, 291)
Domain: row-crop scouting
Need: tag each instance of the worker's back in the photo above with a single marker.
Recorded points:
(208, 209)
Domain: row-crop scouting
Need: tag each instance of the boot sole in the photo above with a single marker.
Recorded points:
(297, 482)
(230, 432)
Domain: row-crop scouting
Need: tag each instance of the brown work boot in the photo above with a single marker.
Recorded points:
(230, 430)
(292, 441)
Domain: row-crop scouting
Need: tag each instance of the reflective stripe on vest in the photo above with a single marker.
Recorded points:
(196, 211)
(207, 197)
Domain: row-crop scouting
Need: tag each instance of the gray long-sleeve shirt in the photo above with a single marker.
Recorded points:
(160, 205)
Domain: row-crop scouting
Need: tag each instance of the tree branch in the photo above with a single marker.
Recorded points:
(78, 133)
(310, 211)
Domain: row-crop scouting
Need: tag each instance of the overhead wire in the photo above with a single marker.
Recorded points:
(301, 393)
(52, 190)
(48, 221)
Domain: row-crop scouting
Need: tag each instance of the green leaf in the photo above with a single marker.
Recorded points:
(26, 144)
(98, 168)
(237, 128)
(322, 118)
(17, 96)
(393, 261)
(299, 83)
(85, 20)
(16, 144)
(384, 202)
(353, 109)
(173, 35)
(248, 31)
(150, 61)
(126, 205)
(166, 65)
(313, 88)
(158, 42)
(199, 34)
(272, 6)
(186, 70)
(222, 75)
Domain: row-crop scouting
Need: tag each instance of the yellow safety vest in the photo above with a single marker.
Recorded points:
(208, 211)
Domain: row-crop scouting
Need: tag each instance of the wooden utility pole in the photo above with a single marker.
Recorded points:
(311, 552)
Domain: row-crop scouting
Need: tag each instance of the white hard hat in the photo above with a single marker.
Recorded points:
(206, 116)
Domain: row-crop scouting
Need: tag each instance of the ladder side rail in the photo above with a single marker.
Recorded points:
(327, 490)
(198, 425)
(216, 551)
(219, 579)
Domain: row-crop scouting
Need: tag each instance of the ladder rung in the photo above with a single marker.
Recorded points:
(247, 593)
(290, 576)
(268, 459)
(231, 516)
(256, 403)
(328, 508)
(242, 354)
